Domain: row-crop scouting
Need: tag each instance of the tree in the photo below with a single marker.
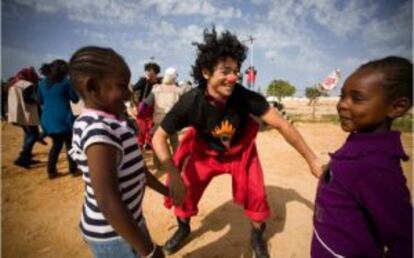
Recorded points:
(313, 95)
(280, 89)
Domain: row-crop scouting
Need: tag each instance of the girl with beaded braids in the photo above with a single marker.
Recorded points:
(362, 206)
(221, 139)
(107, 153)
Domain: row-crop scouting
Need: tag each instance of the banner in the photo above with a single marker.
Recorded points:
(329, 82)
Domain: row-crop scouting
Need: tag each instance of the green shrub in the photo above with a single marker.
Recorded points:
(403, 124)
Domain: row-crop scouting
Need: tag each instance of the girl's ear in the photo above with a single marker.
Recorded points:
(206, 73)
(91, 85)
(399, 107)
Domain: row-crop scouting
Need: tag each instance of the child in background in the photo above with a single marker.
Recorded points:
(106, 151)
(362, 207)
(144, 113)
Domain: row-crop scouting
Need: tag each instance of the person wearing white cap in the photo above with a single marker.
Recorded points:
(165, 96)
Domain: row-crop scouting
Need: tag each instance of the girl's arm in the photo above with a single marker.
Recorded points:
(155, 184)
(293, 137)
(102, 164)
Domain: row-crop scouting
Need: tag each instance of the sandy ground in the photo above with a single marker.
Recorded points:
(40, 216)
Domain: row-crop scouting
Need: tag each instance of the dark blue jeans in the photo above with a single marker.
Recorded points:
(31, 135)
(58, 140)
(116, 248)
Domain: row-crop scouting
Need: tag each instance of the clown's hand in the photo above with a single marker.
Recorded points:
(316, 167)
(177, 189)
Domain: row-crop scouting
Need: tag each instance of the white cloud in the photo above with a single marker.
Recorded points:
(258, 2)
(289, 43)
(41, 5)
(145, 45)
(395, 49)
(394, 28)
(295, 43)
(130, 12)
(91, 34)
(230, 13)
(90, 11)
(289, 34)
(341, 17)
(193, 7)
(164, 28)
(190, 33)
(354, 62)
(101, 11)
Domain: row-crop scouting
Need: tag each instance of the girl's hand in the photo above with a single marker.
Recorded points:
(177, 189)
(157, 253)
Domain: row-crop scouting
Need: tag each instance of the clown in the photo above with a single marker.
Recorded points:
(221, 139)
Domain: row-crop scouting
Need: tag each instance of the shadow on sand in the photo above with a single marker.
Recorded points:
(237, 236)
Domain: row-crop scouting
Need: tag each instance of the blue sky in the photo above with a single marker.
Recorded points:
(301, 41)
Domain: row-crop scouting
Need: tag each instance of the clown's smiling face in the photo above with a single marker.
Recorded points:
(220, 82)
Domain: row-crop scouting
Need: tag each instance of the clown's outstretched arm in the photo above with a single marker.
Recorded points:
(273, 118)
(162, 150)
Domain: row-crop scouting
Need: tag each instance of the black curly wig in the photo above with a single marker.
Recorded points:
(214, 49)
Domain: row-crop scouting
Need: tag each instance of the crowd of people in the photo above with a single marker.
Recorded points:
(362, 206)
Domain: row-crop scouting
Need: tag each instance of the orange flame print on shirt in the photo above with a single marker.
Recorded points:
(225, 131)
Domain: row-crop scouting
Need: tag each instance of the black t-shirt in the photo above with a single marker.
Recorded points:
(143, 88)
(219, 126)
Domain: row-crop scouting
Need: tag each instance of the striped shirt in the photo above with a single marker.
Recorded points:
(98, 127)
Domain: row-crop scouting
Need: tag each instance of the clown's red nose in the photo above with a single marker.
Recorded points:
(231, 78)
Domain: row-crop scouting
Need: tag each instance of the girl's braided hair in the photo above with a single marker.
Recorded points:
(93, 61)
(398, 76)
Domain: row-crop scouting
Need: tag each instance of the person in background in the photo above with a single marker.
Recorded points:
(23, 111)
(144, 112)
(185, 85)
(164, 96)
(55, 94)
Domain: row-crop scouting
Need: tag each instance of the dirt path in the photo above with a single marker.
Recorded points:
(40, 217)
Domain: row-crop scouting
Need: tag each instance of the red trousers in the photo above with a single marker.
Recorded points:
(204, 163)
(145, 125)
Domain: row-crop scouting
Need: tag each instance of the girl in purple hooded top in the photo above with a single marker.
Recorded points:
(362, 206)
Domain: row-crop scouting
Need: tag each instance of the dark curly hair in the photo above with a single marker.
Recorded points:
(214, 49)
(152, 66)
(398, 76)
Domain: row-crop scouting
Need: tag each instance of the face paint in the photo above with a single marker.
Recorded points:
(231, 78)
